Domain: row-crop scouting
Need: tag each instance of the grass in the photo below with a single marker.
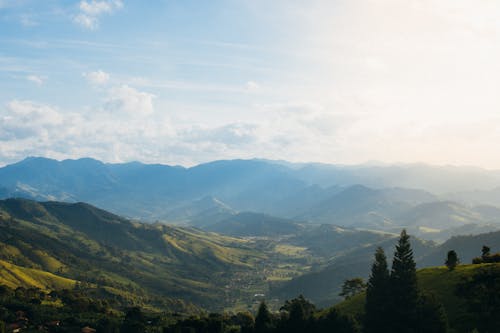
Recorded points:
(438, 281)
(15, 276)
(290, 250)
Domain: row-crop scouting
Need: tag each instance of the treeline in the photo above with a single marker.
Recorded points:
(486, 256)
(68, 311)
(295, 316)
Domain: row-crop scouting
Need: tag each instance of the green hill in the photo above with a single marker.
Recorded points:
(441, 283)
(14, 276)
(81, 242)
(322, 286)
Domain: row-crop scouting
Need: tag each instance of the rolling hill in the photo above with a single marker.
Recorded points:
(81, 242)
(323, 285)
(443, 285)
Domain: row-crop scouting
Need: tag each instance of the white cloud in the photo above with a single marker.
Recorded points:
(35, 79)
(127, 100)
(23, 119)
(86, 21)
(95, 8)
(30, 128)
(98, 77)
(90, 11)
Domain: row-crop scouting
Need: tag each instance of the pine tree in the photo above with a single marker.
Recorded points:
(404, 291)
(376, 309)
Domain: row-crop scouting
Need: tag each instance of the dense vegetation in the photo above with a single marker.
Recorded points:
(58, 244)
(68, 266)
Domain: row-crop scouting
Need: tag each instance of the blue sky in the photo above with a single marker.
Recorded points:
(184, 82)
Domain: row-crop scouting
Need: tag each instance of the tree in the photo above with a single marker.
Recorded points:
(333, 321)
(452, 260)
(246, 321)
(481, 293)
(431, 315)
(485, 252)
(300, 315)
(263, 320)
(404, 290)
(376, 307)
(352, 287)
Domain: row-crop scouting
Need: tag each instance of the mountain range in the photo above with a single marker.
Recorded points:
(432, 202)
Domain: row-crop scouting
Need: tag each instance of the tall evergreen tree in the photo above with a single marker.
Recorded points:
(376, 307)
(404, 290)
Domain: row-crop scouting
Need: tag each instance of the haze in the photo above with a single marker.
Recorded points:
(184, 82)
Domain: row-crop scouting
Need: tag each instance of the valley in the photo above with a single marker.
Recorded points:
(192, 242)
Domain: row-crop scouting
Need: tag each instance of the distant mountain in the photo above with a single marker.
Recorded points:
(367, 196)
(488, 196)
(255, 224)
(435, 179)
(361, 206)
(149, 191)
(440, 215)
(200, 213)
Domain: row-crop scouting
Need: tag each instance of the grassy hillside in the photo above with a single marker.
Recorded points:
(67, 242)
(441, 283)
(322, 286)
(14, 276)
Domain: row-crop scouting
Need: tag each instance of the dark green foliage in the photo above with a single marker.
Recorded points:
(108, 325)
(482, 295)
(431, 315)
(134, 321)
(333, 321)
(263, 319)
(352, 287)
(297, 315)
(451, 260)
(245, 321)
(404, 291)
(377, 295)
(2, 327)
(486, 256)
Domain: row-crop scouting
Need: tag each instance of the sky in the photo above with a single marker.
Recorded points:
(184, 82)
